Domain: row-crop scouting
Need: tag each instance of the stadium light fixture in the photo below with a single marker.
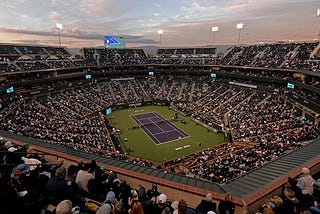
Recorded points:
(59, 27)
(239, 28)
(160, 32)
(214, 30)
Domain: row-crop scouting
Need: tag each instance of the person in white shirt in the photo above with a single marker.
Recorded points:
(83, 176)
(306, 182)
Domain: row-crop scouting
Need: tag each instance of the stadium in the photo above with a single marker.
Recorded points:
(185, 123)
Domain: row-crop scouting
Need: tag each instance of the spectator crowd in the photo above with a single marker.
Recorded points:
(268, 122)
(31, 184)
(263, 125)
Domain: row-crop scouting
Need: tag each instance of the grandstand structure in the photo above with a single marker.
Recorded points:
(272, 130)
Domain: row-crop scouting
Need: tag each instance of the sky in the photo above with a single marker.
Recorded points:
(184, 22)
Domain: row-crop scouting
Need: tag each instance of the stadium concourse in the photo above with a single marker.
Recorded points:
(265, 98)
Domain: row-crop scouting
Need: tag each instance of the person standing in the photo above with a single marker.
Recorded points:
(226, 206)
(306, 182)
(207, 205)
(83, 176)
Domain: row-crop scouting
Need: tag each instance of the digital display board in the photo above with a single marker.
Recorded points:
(114, 42)
(88, 76)
(151, 73)
(108, 111)
(213, 75)
(10, 90)
(290, 85)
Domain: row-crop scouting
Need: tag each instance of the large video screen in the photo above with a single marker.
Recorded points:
(108, 111)
(10, 90)
(290, 85)
(114, 42)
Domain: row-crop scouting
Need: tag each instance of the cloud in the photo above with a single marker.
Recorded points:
(196, 7)
(21, 31)
(176, 17)
(28, 41)
(139, 40)
(54, 16)
(101, 8)
(75, 33)
(234, 8)
(90, 20)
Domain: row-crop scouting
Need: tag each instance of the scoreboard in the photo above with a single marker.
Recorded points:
(114, 42)
(108, 111)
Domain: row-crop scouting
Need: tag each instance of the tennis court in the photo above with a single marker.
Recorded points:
(158, 128)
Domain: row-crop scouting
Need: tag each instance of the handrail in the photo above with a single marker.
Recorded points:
(38, 153)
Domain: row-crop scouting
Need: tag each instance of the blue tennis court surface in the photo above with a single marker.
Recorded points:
(158, 128)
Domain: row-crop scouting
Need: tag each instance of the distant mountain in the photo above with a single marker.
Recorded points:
(222, 48)
(75, 51)
(152, 50)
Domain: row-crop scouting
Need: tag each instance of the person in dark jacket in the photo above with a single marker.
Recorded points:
(57, 187)
(207, 205)
(290, 201)
(146, 202)
(226, 206)
(183, 208)
(161, 204)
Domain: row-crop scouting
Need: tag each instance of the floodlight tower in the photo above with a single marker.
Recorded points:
(239, 28)
(214, 31)
(160, 32)
(318, 15)
(59, 27)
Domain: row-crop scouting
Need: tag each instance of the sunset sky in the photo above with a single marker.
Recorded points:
(184, 22)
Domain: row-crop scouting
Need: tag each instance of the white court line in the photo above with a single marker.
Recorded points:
(175, 127)
(149, 133)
